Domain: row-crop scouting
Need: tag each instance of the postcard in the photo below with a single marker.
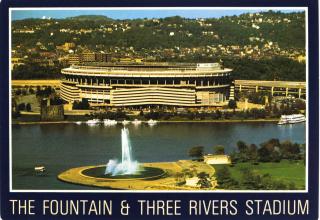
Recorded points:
(153, 111)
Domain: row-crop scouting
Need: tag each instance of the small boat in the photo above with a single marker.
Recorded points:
(93, 121)
(109, 122)
(136, 122)
(125, 122)
(39, 169)
(291, 119)
(79, 122)
(152, 122)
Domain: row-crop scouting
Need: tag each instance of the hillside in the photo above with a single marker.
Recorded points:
(262, 46)
(285, 29)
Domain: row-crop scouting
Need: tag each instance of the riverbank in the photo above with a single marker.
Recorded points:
(160, 121)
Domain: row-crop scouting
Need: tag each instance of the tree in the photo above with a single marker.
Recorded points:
(180, 178)
(46, 92)
(271, 144)
(290, 150)
(224, 179)
(31, 91)
(218, 150)
(84, 104)
(28, 107)
(232, 104)
(18, 92)
(243, 151)
(21, 107)
(196, 152)
(242, 146)
(264, 154)
(35, 71)
(251, 180)
(56, 101)
(189, 172)
(204, 181)
(120, 114)
(218, 114)
(190, 115)
(252, 152)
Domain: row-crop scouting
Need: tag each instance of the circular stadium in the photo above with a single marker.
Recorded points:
(160, 84)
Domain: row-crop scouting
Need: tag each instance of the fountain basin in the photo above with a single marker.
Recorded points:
(144, 173)
(162, 179)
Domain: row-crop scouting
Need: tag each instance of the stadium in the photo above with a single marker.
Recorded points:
(156, 84)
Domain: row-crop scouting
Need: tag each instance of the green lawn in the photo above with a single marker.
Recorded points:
(286, 171)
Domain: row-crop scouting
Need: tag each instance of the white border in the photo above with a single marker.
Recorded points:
(166, 191)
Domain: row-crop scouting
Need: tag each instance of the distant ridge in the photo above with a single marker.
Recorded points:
(90, 18)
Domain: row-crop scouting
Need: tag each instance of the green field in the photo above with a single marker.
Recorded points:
(286, 171)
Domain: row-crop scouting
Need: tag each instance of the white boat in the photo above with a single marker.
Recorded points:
(152, 122)
(291, 119)
(125, 122)
(136, 122)
(39, 169)
(93, 121)
(109, 122)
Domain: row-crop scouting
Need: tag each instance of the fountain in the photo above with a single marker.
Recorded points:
(127, 169)
(127, 165)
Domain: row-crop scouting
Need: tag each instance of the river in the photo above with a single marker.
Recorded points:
(62, 146)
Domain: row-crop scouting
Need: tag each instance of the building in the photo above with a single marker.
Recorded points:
(217, 159)
(161, 84)
(15, 61)
(193, 181)
(88, 57)
(66, 46)
(74, 59)
(51, 112)
(103, 57)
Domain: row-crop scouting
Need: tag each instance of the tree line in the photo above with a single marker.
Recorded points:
(270, 151)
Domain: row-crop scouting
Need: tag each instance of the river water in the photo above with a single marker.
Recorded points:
(62, 146)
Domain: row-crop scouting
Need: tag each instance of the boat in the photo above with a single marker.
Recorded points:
(78, 122)
(291, 119)
(93, 121)
(152, 122)
(39, 169)
(109, 122)
(125, 122)
(136, 122)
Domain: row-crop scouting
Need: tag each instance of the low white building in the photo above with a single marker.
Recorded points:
(192, 181)
(217, 159)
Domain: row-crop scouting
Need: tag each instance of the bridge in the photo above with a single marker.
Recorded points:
(35, 83)
(276, 88)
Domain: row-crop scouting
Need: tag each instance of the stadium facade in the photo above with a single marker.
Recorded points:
(181, 85)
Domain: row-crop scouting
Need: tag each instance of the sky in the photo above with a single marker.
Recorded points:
(131, 14)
